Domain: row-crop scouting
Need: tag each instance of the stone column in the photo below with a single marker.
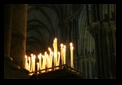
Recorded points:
(104, 41)
(7, 29)
(18, 35)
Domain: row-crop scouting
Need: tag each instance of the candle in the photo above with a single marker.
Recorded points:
(29, 63)
(55, 51)
(48, 62)
(33, 63)
(58, 61)
(37, 67)
(50, 56)
(64, 54)
(43, 63)
(51, 60)
(71, 55)
(25, 61)
(62, 58)
(40, 61)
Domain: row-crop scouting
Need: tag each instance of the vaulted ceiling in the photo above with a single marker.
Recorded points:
(44, 22)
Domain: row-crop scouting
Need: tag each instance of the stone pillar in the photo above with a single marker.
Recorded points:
(105, 47)
(77, 46)
(7, 29)
(18, 35)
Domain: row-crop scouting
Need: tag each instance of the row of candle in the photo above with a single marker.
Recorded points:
(49, 60)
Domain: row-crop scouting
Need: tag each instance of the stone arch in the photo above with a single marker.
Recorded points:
(87, 44)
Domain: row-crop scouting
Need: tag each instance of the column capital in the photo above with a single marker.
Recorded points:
(96, 27)
(108, 26)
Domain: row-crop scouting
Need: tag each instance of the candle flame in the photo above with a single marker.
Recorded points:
(25, 56)
(58, 53)
(49, 48)
(55, 39)
(71, 44)
(61, 45)
(39, 56)
(47, 60)
(64, 47)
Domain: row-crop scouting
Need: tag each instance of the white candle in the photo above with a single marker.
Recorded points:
(43, 63)
(25, 61)
(58, 61)
(55, 51)
(29, 63)
(51, 60)
(71, 55)
(40, 61)
(50, 56)
(37, 67)
(48, 62)
(33, 62)
(64, 54)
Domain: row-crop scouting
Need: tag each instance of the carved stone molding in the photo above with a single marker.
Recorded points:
(108, 26)
(96, 27)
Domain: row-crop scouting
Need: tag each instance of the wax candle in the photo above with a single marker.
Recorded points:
(37, 67)
(55, 51)
(33, 62)
(29, 63)
(25, 61)
(40, 61)
(43, 63)
(64, 54)
(50, 58)
(71, 55)
(48, 62)
(58, 60)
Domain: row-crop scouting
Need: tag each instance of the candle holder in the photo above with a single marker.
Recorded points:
(64, 72)
(53, 62)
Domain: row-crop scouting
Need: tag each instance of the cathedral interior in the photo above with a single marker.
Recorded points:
(31, 28)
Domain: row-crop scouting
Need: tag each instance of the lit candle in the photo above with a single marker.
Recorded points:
(62, 58)
(37, 67)
(58, 61)
(55, 51)
(48, 62)
(29, 63)
(26, 61)
(50, 58)
(64, 54)
(39, 57)
(33, 63)
(71, 55)
(43, 63)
